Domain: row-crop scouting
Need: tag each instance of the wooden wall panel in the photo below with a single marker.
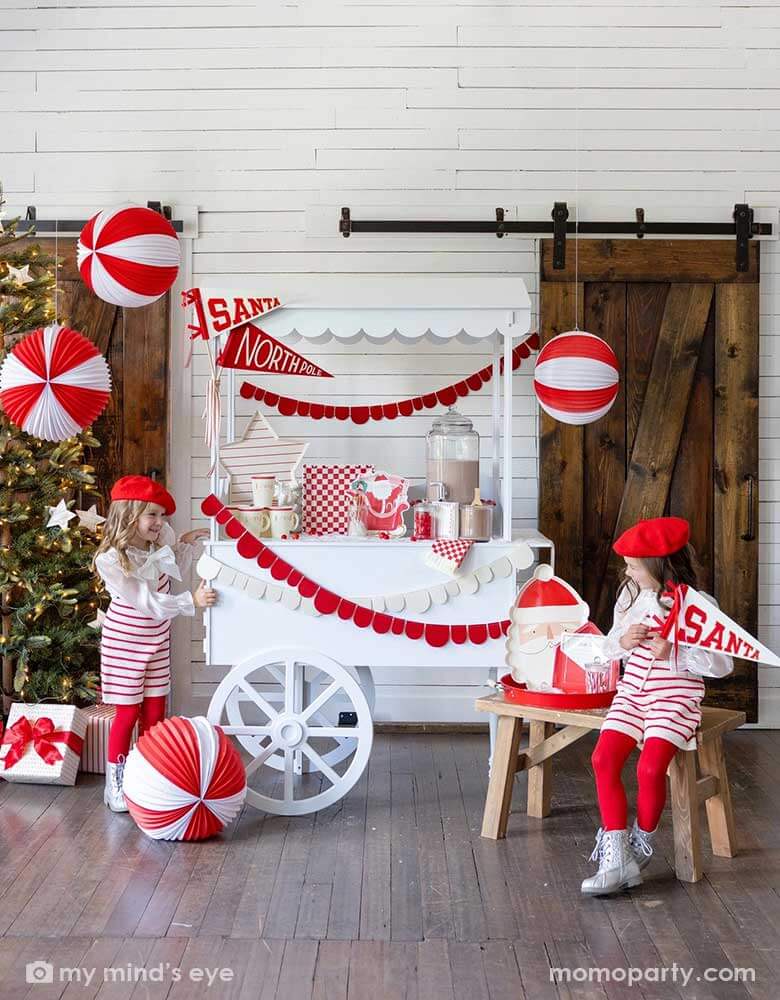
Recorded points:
(133, 427)
(604, 466)
(645, 305)
(692, 487)
(561, 455)
(689, 261)
(736, 468)
(681, 438)
(660, 427)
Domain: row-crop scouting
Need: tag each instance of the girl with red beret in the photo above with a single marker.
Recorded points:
(136, 559)
(658, 699)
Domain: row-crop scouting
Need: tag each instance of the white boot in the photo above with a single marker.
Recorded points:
(641, 844)
(113, 796)
(617, 867)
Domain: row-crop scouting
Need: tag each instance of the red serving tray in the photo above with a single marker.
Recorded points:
(542, 699)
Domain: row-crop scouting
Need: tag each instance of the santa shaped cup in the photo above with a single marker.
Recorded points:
(546, 608)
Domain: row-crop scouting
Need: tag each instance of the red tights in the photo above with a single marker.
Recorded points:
(150, 711)
(609, 756)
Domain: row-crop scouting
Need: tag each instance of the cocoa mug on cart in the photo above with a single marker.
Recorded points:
(284, 520)
(263, 490)
(256, 519)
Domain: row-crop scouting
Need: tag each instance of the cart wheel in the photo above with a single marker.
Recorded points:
(291, 732)
(314, 681)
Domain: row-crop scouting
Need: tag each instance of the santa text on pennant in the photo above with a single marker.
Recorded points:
(246, 346)
(218, 312)
(694, 621)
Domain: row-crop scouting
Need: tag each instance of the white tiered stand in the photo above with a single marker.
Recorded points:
(293, 677)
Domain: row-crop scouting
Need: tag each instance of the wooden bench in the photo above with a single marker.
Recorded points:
(687, 788)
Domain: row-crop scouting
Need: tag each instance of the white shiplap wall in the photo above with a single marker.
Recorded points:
(254, 110)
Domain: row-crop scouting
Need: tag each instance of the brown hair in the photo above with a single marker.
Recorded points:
(679, 567)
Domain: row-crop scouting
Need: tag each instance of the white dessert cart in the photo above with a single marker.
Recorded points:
(298, 694)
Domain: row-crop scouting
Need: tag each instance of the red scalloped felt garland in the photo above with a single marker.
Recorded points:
(447, 396)
(328, 603)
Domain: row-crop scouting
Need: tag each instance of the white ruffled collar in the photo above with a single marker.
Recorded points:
(154, 562)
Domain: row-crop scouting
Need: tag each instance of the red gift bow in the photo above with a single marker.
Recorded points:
(677, 592)
(43, 736)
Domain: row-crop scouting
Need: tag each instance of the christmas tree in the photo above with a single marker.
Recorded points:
(50, 597)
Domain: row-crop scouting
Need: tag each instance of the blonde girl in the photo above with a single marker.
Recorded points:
(136, 559)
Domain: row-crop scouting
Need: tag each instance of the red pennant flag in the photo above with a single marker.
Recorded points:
(695, 621)
(218, 312)
(253, 350)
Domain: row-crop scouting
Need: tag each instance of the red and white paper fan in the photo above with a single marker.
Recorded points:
(54, 383)
(184, 780)
(576, 378)
(128, 256)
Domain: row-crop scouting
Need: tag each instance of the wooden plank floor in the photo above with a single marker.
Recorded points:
(389, 893)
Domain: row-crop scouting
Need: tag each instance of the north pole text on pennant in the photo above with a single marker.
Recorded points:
(252, 349)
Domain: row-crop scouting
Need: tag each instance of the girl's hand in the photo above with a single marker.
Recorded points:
(192, 536)
(633, 636)
(660, 648)
(204, 596)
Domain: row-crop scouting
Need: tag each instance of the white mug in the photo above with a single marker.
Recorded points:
(283, 521)
(263, 490)
(256, 519)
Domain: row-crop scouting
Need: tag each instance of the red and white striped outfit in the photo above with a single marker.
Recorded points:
(658, 698)
(135, 654)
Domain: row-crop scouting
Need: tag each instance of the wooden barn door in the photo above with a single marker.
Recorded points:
(133, 428)
(682, 436)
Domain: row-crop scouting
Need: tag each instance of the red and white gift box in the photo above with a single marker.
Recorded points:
(326, 497)
(95, 752)
(42, 744)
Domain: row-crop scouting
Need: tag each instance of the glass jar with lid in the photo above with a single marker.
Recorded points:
(452, 458)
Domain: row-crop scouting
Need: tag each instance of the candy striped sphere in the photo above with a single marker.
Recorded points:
(128, 256)
(576, 378)
(184, 780)
(54, 383)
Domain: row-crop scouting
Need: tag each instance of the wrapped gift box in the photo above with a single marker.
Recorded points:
(95, 752)
(325, 497)
(42, 744)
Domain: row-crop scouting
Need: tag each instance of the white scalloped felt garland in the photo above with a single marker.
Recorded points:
(418, 602)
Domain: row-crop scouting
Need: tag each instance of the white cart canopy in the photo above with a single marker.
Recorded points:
(393, 306)
(474, 307)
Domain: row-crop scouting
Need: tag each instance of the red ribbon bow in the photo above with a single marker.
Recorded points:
(676, 593)
(42, 734)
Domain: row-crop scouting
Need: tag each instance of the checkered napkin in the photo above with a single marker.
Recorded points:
(447, 554)
(325, 500)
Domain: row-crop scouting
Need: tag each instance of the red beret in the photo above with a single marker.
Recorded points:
(143, 488)
(654, 538)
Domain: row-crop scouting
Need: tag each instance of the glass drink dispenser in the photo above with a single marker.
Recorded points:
(452, 451)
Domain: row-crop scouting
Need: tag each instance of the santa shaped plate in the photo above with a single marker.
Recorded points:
(547, 699)
(385, 500)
